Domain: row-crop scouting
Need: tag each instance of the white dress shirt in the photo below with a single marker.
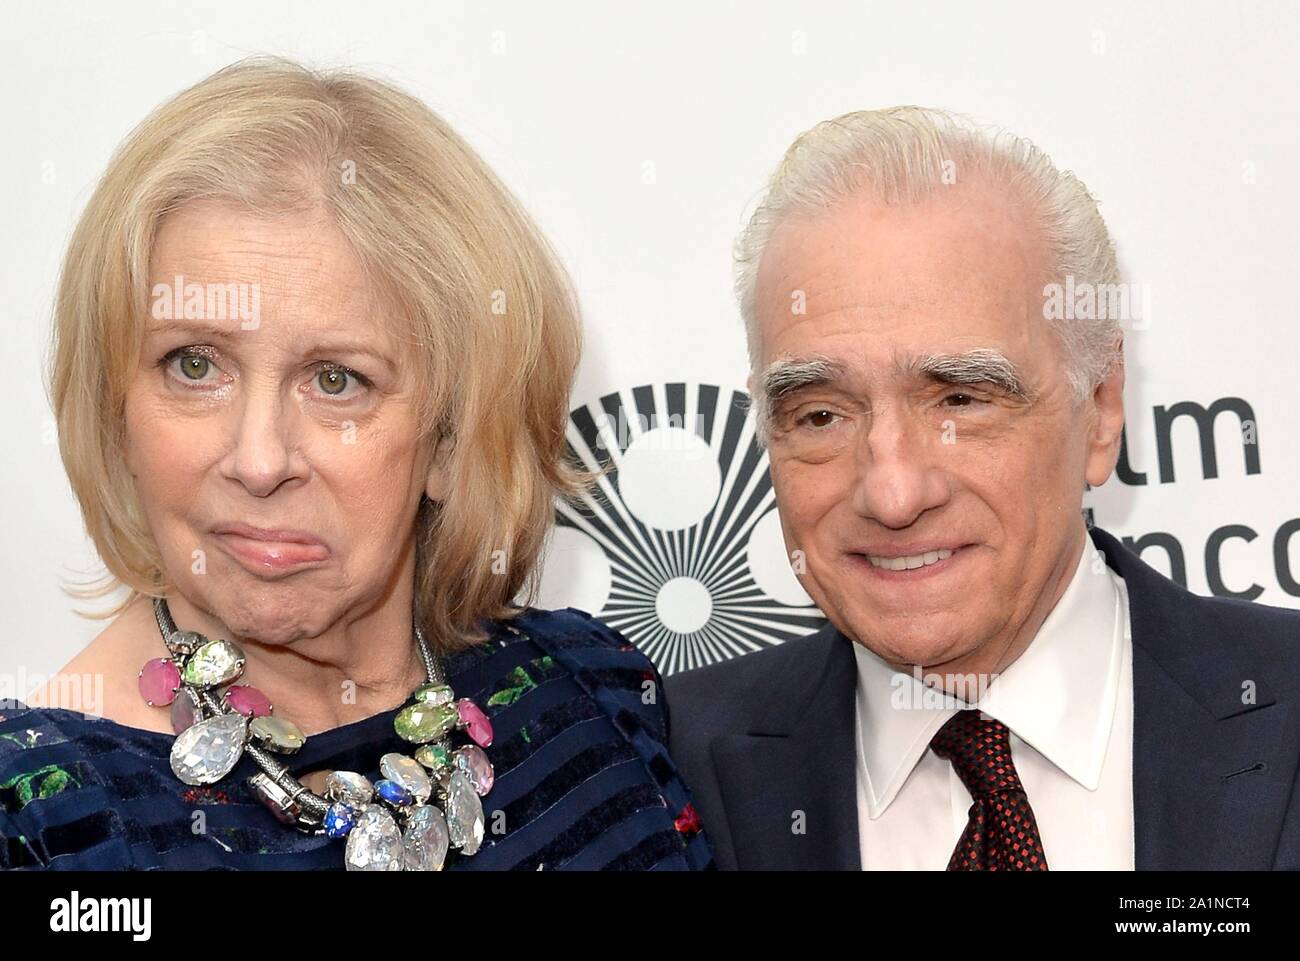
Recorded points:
(1068, 702)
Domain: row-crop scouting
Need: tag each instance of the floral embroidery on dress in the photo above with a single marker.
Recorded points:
(519, 682)
(41, 783)
(25, 740)
(204, 795)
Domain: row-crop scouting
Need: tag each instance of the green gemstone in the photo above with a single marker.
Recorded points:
(213, 664)
(434, 694)
(277, 734)
(421, 723)
(435, 757)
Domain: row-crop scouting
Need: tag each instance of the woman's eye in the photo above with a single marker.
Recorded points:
(335, 381)
(192, 366)
(195, 367)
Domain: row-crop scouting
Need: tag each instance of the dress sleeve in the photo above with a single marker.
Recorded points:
(628, 687)
(54, 811)
(17, 851)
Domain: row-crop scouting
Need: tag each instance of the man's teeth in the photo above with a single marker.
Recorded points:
(909, 563)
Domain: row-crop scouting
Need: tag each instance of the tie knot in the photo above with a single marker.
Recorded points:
(979, 748)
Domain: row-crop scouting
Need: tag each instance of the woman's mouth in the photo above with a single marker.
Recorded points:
(263, 548)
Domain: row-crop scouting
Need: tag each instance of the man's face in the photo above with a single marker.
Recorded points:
(872, 322)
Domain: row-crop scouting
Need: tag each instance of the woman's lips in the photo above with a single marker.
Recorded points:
(276, 549)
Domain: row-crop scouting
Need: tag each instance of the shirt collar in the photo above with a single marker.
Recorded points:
(1048, 696)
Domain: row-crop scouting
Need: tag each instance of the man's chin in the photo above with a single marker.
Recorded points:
(912, 643)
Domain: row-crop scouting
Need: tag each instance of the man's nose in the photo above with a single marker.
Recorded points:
(899, 473)
(262, 448)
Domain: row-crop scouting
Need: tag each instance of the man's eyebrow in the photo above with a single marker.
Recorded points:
(788, 375)
(981, 365)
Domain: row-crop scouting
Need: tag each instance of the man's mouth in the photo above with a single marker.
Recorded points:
(909, 562)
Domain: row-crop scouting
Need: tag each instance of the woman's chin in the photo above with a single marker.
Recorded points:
(267, 622)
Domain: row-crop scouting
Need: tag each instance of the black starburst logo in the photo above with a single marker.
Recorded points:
(679, 547)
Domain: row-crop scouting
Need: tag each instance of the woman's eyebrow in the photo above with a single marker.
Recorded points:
(326, 346)
(216, 330)
(207, 330)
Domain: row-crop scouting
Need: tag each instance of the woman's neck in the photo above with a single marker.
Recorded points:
(356, 667)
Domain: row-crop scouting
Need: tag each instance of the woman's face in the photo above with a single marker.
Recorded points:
(271, 425)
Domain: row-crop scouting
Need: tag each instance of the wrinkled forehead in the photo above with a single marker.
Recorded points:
(870, 284)
(215, 261)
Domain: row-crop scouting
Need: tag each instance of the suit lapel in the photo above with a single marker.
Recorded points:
(1211, 774)
(788, 784)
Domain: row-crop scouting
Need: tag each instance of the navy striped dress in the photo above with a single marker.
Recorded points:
(583, 780)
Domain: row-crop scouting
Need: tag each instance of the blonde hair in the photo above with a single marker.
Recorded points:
(901, 155)
(492, 319)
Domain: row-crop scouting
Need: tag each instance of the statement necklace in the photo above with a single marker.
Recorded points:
(391, 825)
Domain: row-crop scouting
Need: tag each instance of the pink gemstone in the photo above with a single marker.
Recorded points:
(248, 701)
(185, 713)
(474, 764)
(159, 680)
(475, 722)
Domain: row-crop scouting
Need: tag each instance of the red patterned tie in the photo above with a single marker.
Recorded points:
(1001, 834)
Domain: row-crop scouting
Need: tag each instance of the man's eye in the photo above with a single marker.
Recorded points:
(818, 419)
(964, 400)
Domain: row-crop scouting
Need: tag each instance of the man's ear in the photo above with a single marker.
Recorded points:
(438, 480)
(1107, 429)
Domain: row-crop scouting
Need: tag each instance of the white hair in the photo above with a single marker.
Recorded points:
(906, 154)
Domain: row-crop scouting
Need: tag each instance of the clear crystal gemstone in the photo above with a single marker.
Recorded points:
(208, 751)
(435, 694)
(407, 772)
(464, 814)
(375, 842)
(426, 839)
(185, 643)
(350, 787)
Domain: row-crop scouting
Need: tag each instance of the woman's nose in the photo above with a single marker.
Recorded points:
(261, 455)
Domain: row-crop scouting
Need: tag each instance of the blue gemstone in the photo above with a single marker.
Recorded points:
(339, 819)
(393, 793)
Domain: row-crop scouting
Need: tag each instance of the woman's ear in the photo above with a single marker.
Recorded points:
(435, 487)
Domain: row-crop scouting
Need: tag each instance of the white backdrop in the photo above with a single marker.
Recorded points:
(638, 135)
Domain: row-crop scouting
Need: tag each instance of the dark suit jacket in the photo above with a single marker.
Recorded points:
(1214, 779)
